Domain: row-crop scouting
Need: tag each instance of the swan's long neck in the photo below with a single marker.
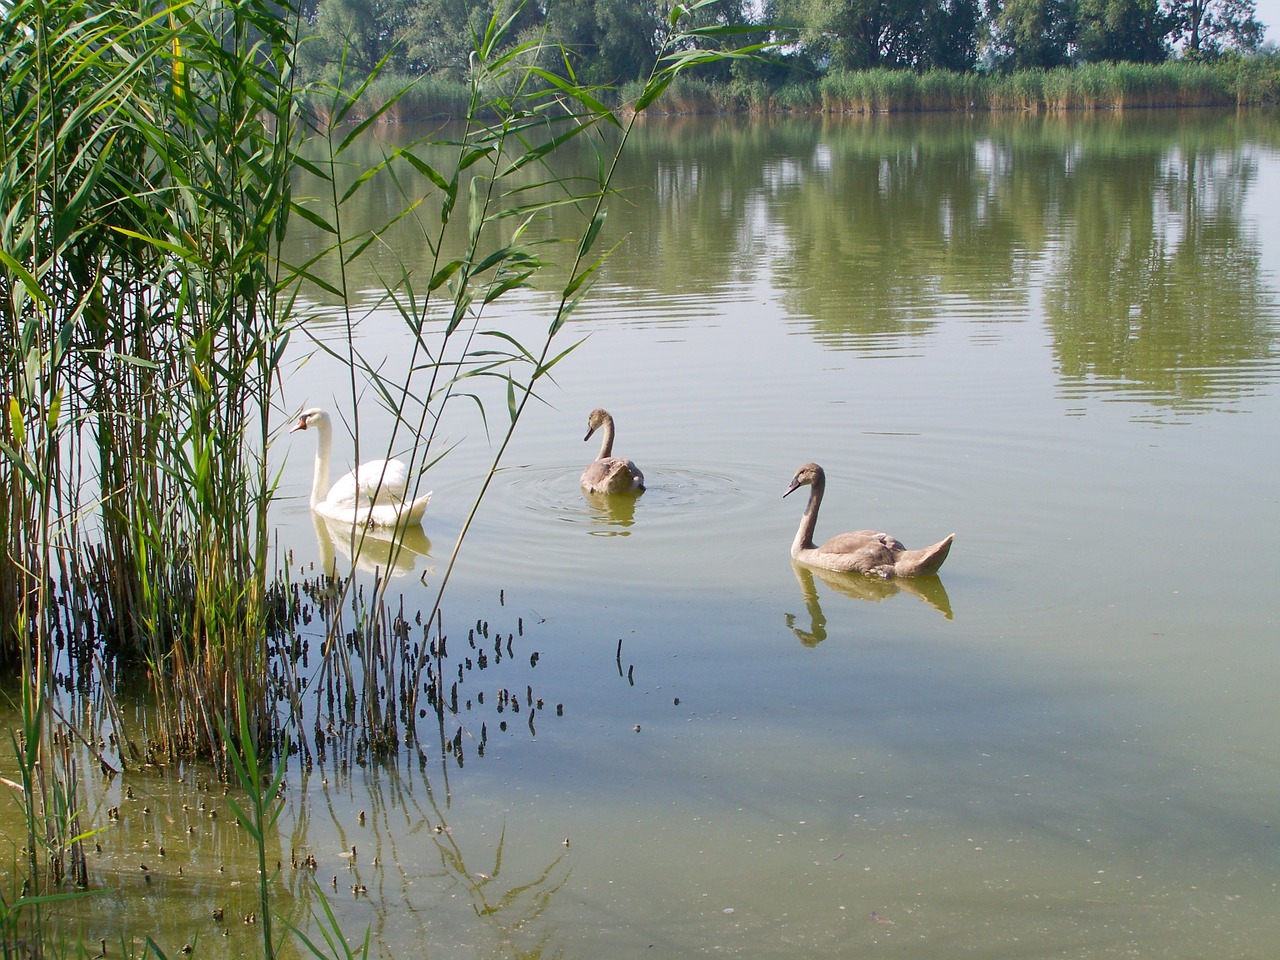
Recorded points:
(809, 522)
(324, 448)
(606, 439)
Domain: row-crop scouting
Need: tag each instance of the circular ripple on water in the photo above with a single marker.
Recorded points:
(672, 499)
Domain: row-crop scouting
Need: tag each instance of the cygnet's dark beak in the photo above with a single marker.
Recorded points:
(795, 485)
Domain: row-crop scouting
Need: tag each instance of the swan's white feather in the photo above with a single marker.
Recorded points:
(373, 494)
(378, 481)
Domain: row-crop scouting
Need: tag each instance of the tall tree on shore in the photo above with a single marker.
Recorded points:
(1207, 28)
(356, 32)
(418, 36)
(951, 34)
(721, 13)
(1129, 30)
(437, 36)
(859, 34)
(1032, 33)
(605, 41)
(864, 34)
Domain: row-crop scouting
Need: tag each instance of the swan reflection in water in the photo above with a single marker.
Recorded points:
(369, 549)
(611, 513)
(929, 589)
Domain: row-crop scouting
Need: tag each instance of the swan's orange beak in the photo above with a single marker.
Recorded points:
(300, 425)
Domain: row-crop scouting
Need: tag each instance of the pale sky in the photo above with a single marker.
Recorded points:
(1269, 13)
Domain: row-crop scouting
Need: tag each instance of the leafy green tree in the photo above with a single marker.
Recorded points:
(858, 34)
(347, 30)
(1207, 28)
(1032, 33)
(437, 36)
(614, 41)
(1129, 30)
(720, 13)
(609, 41)
(952, 34)
(417, 36)
(865, 34)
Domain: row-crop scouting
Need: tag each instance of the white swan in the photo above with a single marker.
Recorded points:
(864, 551)
(374, 493)
(607, 473)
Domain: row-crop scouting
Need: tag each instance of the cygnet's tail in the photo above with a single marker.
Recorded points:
(921, 563)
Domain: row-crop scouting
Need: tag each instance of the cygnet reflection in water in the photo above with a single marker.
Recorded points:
(860, 587)
(611, 513)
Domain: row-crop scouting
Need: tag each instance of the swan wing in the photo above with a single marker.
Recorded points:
(398, 513)
(378, 481)
(612, 475)
(865, 550)
(391, 513)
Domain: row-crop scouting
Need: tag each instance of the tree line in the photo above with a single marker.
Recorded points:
(613, 42)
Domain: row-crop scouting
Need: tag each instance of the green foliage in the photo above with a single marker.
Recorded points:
(862, 34)
(605, 42)
(1207, 29)
(609, 43)
(140, 337)
(1033, 34)
(147, 167)
(1123, 30)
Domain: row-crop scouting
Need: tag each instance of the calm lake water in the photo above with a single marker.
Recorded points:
(1058, 338)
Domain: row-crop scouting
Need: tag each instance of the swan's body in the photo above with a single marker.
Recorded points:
(864, 551)
(374, 493)
(607, 473)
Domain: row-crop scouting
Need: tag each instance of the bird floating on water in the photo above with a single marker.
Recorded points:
(607, 473)
(863, 551)
(374, 493)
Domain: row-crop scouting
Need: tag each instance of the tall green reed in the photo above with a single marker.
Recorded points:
(147, 172)
(144, 176)
(1091, 86)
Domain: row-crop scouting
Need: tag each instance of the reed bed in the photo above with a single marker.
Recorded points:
(1093, 86)
(145, 311)
(139, 335)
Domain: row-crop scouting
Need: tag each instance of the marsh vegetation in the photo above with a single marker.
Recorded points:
(145, 311)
